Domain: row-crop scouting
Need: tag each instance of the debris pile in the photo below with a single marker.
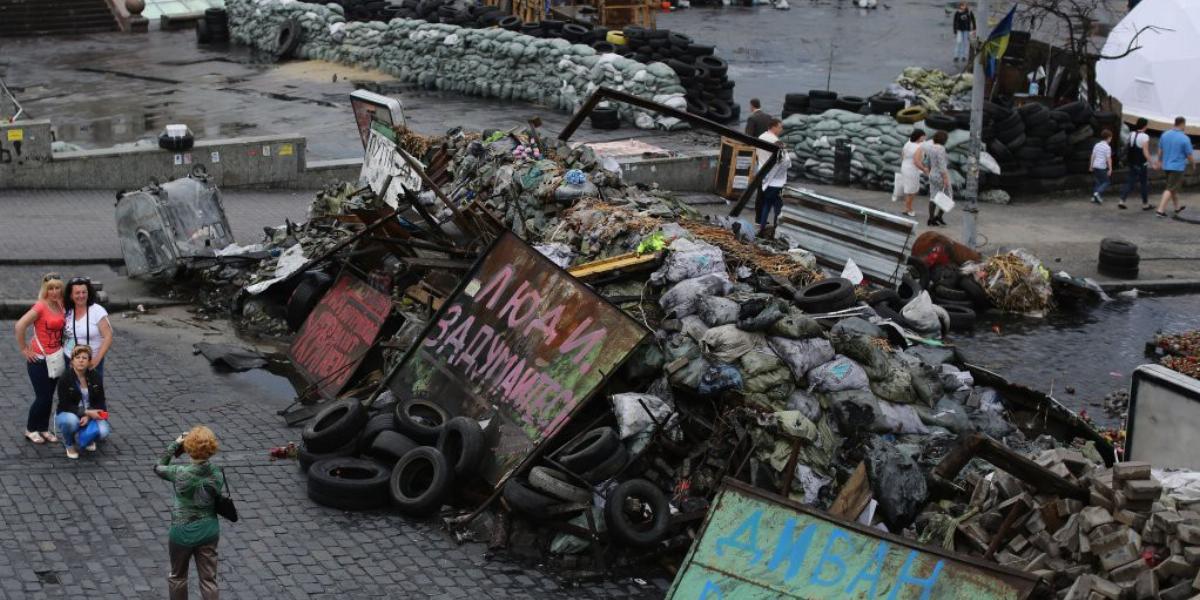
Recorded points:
(1180, 352)
(932, 89)
(1087, 531)
(1015, 282)
(492, 63)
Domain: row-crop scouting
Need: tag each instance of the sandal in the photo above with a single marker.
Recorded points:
(49, 437)
(72, 453)
(1180, 209)
(35, 437)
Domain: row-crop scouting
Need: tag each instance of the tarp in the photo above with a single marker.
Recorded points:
(1156, 81)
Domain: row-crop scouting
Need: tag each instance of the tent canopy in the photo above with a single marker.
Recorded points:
(1158, 80)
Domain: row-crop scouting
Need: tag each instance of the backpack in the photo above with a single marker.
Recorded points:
(1133, 152)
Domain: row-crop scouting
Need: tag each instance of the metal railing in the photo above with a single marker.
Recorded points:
(6, 93)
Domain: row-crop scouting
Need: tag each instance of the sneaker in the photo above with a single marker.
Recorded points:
(1096, 199)
(72, 453)
(90, 447)
(1121, 205)
(1146, 206)
(909, 213)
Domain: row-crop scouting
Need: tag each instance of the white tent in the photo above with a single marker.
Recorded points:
(1161, 79)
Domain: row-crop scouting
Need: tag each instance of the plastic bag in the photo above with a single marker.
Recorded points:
(719, 378)
(688, 259)
(681, 300)
(943, 201)
(796, 325)
(920, 312)
(633, 418)
(837, 375)
(802, 356)
(716, 311)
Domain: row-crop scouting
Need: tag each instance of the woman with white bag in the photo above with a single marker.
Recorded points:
(43, 355)
(938, 172)
(910, 170)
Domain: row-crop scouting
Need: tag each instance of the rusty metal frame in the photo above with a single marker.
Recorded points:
(697, 121)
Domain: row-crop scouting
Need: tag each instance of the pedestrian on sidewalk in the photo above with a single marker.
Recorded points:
(964, 32)
(87, 323)
(1174, 156)
(194, 528)
(80, 400)
(44, 360)
(938, 172)
(759, 121)
(773, 182)
(1138, 159)
(1102, 165)
(910, 174)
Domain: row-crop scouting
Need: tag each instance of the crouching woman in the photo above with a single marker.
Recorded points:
(80, 400)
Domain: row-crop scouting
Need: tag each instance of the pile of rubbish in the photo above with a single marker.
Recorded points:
(934, 90)
(491, 63)
(1087, 531)
(1180, 352)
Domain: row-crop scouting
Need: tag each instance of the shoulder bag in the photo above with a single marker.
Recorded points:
(224, 503)
(56, 362)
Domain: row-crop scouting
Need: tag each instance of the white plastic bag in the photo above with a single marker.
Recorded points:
(897, 188)
(921, 313)
(943, 201)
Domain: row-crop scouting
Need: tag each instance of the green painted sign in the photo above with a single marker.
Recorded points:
(758, 546)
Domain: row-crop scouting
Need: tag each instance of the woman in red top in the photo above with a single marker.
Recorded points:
(46, 316)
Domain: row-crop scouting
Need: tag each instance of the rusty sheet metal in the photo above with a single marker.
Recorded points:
(756, 545)
(338, 333)
(521, 344)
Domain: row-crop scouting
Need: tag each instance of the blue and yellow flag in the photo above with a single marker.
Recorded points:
(997, 43)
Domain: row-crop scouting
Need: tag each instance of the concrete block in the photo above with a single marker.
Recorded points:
(1106, 537)
(1129, 572)
(1037, 562)
(1131, 471)
(1125, 517)
(1067, 531)
(1189, 534)
(1179, 591)
(1106, 588)
(1114, 558)
(1018, 544)
(1175, 567)
(1192, 555)
(1096, 498)
(1145, 587)
(1167, 521)
(1067, 506)
(1080, 589)
(1092, 517)
(1141, 489)
(1102, 482)
(1190, 517)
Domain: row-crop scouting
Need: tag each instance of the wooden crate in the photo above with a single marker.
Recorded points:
(529, 11)
(617, 14)
(735, 168)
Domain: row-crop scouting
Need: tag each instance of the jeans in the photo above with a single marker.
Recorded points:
(68, 426)
(962, 44)
(43, 396)
(1140, 175)
(206, 570)
(772, 200)
(1102, 181)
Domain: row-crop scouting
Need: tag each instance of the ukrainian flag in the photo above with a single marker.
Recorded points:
(997, 43)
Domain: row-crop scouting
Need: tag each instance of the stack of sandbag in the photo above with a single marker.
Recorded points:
(933, 89)
(492, 63)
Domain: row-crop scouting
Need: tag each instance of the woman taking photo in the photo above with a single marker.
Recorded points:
(80, 400)
(194, 528)
(87, 323)
(46, 317)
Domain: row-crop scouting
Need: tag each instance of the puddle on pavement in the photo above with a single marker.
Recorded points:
(278, 383)
(1094, 351)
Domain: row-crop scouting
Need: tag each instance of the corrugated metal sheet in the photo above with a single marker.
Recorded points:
(835, 230)
(756, 545)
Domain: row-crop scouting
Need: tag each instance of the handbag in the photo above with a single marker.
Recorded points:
(943, 201)
(224, 503)
(56, 362)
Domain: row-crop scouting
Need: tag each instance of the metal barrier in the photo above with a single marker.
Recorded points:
(10, 96)
(835, 230)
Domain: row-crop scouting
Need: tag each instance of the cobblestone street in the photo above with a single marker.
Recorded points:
(97, 527)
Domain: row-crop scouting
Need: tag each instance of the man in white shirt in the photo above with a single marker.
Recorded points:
(1102, 165)
(772, 184)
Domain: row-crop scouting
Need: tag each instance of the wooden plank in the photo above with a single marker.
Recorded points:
(629, 261)
(854, 497)
(1008, 460)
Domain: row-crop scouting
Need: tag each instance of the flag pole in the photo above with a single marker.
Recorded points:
(971, 212)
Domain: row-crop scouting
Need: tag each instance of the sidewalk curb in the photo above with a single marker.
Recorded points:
(1164, 286)
(13, 309)
(33, 262)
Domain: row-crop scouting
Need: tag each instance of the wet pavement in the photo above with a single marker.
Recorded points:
(1093, 351)
(772, 52)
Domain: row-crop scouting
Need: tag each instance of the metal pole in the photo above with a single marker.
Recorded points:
(971, 213)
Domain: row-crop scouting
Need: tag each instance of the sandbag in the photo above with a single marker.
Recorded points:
(920, 311)
(804, 403)
(795, 325)
(685, 365)
(719, 378)
(839, 374)
(689, 259)
(802, 356)
(716, 311)
(766, 379)
(682, 298)
(727, 343)
(760, 315)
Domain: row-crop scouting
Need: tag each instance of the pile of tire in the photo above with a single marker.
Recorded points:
(827, 295)
(816, 102)
(411, 457)
(1036, 142)
(704, 75)
(212, 27)
(1118, 258)
(960, 295)
(636, 512)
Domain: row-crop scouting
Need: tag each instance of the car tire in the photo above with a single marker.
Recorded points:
(306, 296)
(462, 444)
(390, 446)
(908, 290)
(717, 67)
(1118, 272)
(629, 531)
(611, 467)
(306, 457)
(203, 36)
(520, 497)
(1112, 245)
(962, 318)
(420, 420)
(1122, 261)
(557, 484)
(912, 114)
(884, 296)
(375, 425)
(941, 122)
(335, 425)
(887, 312)
(288, 39)
(719, 111)
(943, 292)
(420, 482)
(826, 295)
(348, 483)
(591, 449)
(975, 291)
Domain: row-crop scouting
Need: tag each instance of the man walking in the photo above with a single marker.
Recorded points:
(1174, 156)
(964, 30)
(772, 185)
(758, 121)
(1102, 164)
(1137, 158)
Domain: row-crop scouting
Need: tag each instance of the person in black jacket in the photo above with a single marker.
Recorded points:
(80, 399)
(759, 121)
(964, 30)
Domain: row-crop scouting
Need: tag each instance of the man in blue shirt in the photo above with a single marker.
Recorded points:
(1174, 155)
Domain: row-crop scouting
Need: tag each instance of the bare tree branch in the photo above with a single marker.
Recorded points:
(1132, 47)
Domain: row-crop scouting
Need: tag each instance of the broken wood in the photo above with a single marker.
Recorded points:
(629, 262)
(980, 446)
(854, 497)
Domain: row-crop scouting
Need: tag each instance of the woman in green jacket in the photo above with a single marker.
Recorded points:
(194, 527)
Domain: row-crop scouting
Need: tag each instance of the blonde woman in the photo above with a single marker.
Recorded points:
(46, 318)
(194, 527)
